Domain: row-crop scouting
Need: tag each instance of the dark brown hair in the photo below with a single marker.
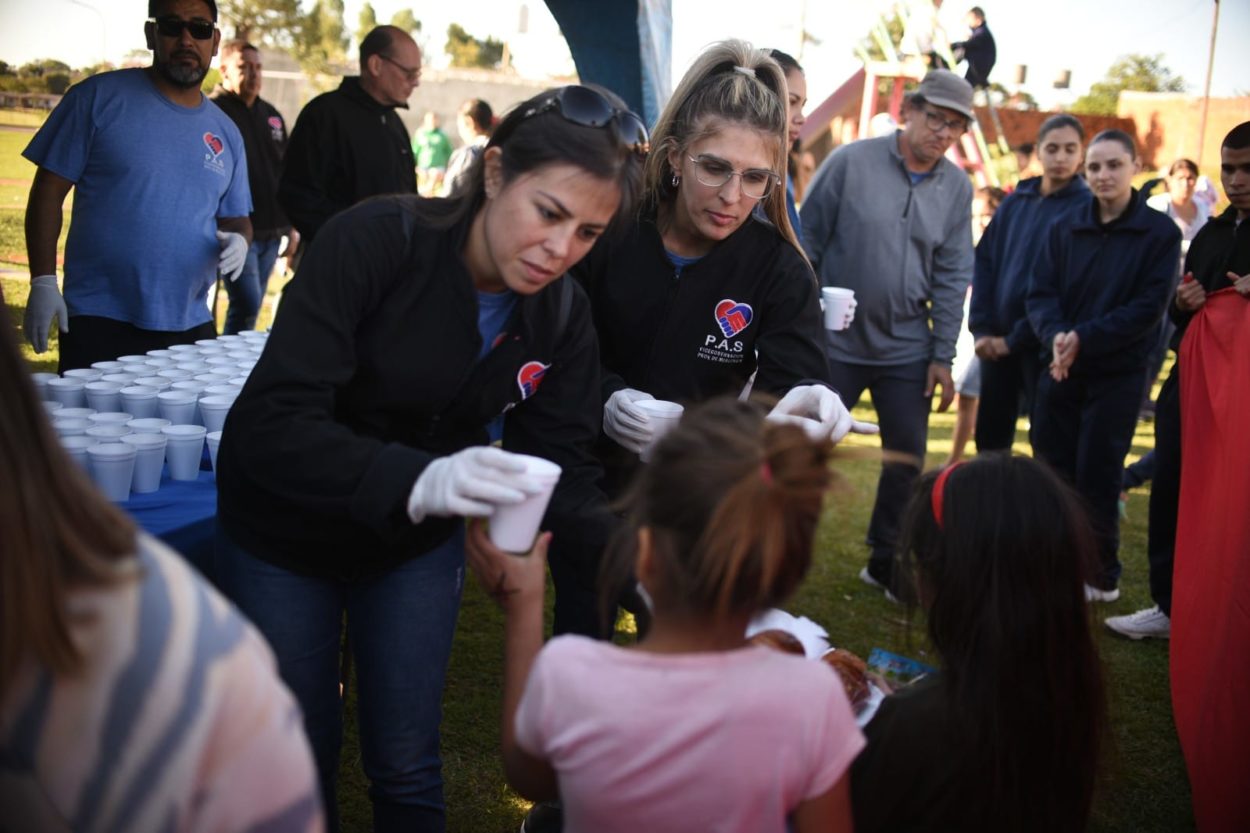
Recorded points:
(1002, 578)
(732, 503)
(60, 534)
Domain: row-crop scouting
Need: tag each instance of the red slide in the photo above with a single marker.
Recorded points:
(1210, 652)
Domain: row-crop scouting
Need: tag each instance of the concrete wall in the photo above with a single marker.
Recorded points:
(1167, 125)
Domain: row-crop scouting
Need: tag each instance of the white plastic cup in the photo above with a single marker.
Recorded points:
(189, 385)
(173, 374)
(663, 416)
(76, 448)
(112, 466)
(838, 303)
(162, 353)
(41, 382)
(68, 391)
(147, 425)
(213, 438)
(74, 413)
(241, 355)
(221, 360)
(212, 377)
(70, 426)
(230, 340)
(149, 461)
(239, 381)
(177, 406)
(103, 396)
(221, 389)
(160, 362)
(184, 349)
(156, 383)
(183, 450)
(109, 367)
(514, 527)
(133, 359)
(51, 408)
(213, 410)
(87, 374)
(139, 401)
(122, 378)
(108, 433)
(193, 367)
(110, 418)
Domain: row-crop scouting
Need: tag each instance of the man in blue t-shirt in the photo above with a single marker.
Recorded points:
(161, 200)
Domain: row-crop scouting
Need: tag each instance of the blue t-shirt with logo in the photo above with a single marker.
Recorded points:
(493, 311)
(150, 180)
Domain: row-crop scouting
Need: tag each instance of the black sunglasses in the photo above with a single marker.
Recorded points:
(171, 27)
(589, 108)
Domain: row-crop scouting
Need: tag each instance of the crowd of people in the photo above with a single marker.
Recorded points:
(539, 292)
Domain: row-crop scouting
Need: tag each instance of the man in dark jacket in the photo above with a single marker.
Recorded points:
(349, 143)
(264, 141)
(978, 50)
(1218, 257)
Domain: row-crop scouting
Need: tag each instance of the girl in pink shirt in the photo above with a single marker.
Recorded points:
(691, 728)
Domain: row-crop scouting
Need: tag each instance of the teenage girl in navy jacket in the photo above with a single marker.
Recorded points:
(1096, 296)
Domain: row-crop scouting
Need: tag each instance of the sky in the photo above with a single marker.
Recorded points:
(1084, 36)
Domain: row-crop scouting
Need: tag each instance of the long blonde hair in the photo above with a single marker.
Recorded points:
(732, 82)
(59, 533)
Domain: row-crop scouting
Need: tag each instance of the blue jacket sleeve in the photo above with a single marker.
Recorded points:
(1045, 312)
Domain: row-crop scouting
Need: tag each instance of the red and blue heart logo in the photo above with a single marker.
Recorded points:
(529, 377)
(214, 144)
(275, 123)
(733, 317)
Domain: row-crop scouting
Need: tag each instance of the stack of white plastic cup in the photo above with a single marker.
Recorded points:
(514, 527)
(183, 450)
(663, 417)
(112, 466)
(149, 461)
(68, 391)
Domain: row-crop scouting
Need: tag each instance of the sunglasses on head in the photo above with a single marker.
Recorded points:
(171, 27)
(590, 108)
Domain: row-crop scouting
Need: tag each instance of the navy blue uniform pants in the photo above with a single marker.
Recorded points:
(1165, 491)
(1005, 384)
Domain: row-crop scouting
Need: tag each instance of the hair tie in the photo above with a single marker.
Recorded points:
(936, 498)
(745, 70)
(766, 473)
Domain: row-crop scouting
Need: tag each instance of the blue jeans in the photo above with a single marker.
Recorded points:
(400, 627)
(248, 291)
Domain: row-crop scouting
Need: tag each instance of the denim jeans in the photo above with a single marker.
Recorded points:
(400, 627)
(248, 291)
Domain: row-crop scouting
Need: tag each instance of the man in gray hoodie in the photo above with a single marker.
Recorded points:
(890, 218)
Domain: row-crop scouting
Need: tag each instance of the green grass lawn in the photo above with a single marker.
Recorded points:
(1145, 785)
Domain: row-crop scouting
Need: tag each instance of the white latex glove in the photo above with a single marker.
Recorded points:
(625, 423)
(44, 303)
(471, 483)
(820, 412)
(233, 254)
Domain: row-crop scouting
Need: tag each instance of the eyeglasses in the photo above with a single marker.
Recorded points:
(936, 123)
(714, 173)
(413, 75)
(589, 108)
(171, 27)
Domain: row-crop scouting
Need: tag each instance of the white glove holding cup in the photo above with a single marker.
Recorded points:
(470, 483)
(626, 423)
(233, 254)
(44, 304)
(820, 412)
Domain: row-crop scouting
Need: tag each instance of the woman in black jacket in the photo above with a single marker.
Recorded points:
(415, 333)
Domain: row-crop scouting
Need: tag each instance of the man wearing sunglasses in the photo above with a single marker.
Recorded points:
(889, 218)
(161, 200)
(350, 143)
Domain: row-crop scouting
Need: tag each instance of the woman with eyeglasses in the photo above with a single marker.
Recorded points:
(415, 333)
(700, 297)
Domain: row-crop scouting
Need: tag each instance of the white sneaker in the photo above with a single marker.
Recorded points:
(1093, 594)
(1151, 623)
(866, 578)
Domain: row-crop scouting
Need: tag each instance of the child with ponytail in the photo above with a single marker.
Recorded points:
(691, 728)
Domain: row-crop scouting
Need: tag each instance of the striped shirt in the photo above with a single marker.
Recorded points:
(177, 721)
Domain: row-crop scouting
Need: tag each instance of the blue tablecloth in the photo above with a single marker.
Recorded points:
(182, 513)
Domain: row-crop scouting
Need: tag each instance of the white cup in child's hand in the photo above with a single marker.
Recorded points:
(839, 306)
(514, 526)
(663, 417)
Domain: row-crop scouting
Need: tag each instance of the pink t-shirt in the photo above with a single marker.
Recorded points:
(724, 741)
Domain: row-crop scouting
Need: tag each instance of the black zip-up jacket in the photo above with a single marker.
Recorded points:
(345, 147)
(1221, 246)
(689, 338)
(371, 372)
(264, 141)
(1108, 282)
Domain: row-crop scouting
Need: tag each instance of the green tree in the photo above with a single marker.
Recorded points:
(262, 22)
(468, 51)
(57, 82)
(406, 20)
(43, 68)
(1142, 73)
(321, 45)
(367, 22)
